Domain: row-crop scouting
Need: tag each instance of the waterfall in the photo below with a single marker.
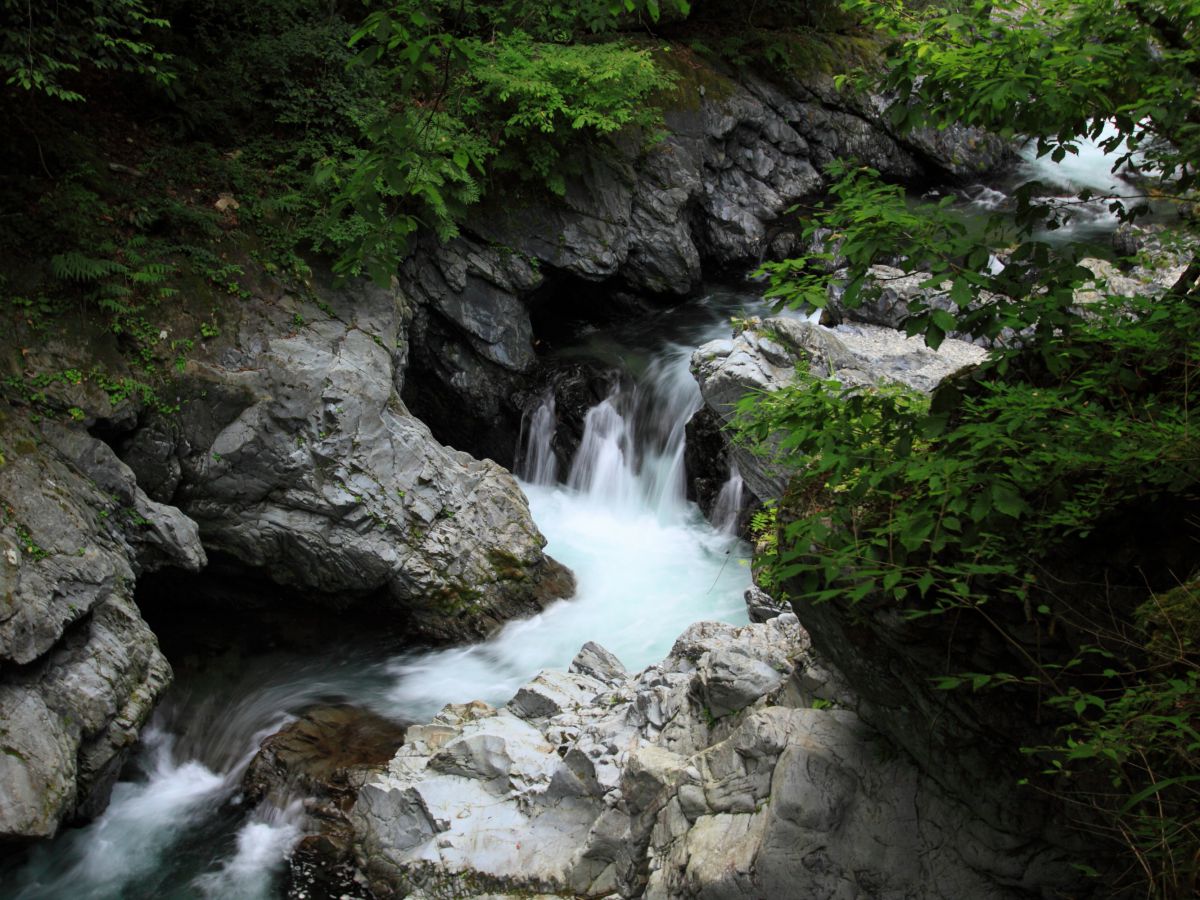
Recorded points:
(728, 505)
(631, 455)
(536, 462)
(604, 467)
(647, 566)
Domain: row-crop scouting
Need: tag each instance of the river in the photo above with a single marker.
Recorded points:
(647, 566)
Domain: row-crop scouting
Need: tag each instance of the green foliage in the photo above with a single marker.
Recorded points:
(1079, 422)
(474, 95)
(792, 37)
(902, 499)
(968, 511)
(50, 48)
(1056, 71)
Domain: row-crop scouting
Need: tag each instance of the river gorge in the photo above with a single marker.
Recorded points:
(400, 670)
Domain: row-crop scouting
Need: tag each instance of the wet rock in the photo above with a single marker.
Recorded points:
(705, 458)
(764, 357)
(68, 721)
(703, 776)
(326, 752)
(323, 757)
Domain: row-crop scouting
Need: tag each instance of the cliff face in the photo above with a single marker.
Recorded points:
(645, 221)
(79, 669)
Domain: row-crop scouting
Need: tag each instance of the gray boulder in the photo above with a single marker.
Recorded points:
(764, 357)
(79, 669)
(806, 802)
(655, 785)
(297, 457)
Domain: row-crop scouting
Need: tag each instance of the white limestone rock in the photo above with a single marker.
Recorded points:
(699, 777)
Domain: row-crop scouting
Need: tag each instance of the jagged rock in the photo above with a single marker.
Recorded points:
(764, 357)
(552, 693)
(472, 340)
(705, 459)
(736, 153)
(596, 662)
(1150, 279)
(298, 458)
(761, 606)
(81, 670)
(731, 679)
(807, 802)
(68, 721)
(658, 787)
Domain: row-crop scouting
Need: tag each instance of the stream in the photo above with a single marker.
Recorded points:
(647, 565)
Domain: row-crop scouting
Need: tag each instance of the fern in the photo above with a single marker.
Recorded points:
(76, 266)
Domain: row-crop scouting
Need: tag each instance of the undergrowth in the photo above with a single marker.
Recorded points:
(988, 502)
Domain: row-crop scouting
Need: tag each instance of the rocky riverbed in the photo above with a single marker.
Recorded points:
(735, 768)
(332, 440)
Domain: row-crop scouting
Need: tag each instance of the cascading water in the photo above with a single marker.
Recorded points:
(728, 505)
(536, 462)
(646, 561)
(604, 465)
(647, 566)
(176, 826)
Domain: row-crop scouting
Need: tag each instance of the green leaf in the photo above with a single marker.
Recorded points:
(1006, 499)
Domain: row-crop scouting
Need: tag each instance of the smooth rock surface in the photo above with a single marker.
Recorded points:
(297, 458)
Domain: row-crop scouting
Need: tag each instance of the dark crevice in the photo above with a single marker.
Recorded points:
(234, 608)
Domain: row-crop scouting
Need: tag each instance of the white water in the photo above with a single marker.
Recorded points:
(728, 505)
(176, 826)
(536, 462)
(1090, 169)
(647, 563)
(124, 852)
(647, 566)
(263, 845)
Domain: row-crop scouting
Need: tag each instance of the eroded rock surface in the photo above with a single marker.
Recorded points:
(79, 669)
(703, 776)
(296, 456)
(764, 357)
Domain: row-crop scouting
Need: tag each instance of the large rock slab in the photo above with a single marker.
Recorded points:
(764, 356)
(705, 776)
(296, 456)
(79, 669)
